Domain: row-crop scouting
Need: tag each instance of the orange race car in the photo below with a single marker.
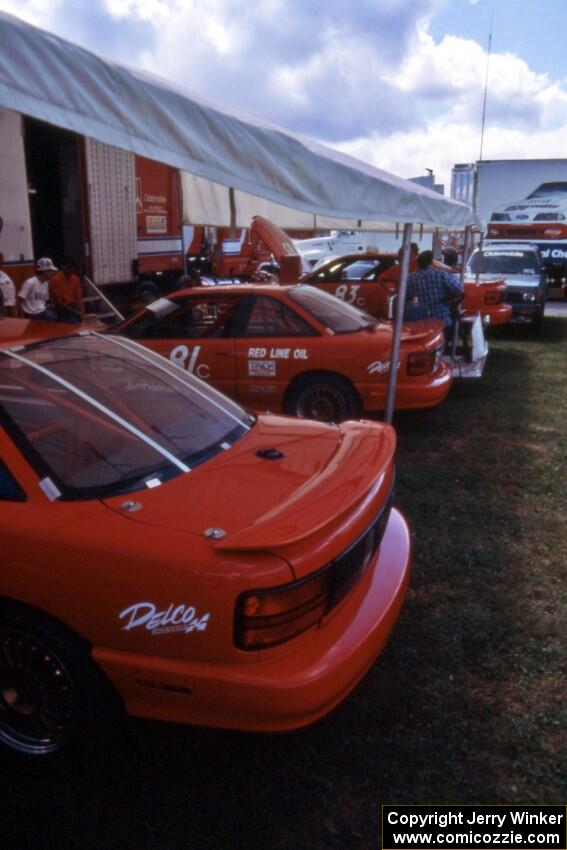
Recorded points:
(166, 550)
(354, 278)
(293, 349)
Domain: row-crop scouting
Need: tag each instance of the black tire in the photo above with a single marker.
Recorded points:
(52, 695)
(323, 396)
(148, 289)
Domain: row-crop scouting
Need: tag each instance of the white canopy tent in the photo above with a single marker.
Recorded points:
(231, 161)
(235, 166)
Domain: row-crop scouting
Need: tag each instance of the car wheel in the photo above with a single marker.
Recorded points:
(324, 397)
(52, 695)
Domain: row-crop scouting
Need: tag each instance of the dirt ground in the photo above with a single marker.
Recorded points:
(466, 705)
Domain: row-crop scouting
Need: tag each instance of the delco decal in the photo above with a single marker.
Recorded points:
(262, 368)
(176, 618)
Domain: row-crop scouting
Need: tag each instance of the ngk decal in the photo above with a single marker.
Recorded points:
(182, 356)
(175, 618)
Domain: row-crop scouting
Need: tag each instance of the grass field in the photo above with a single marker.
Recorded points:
(466, 705)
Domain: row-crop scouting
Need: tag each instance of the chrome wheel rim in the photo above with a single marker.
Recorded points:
(322, 402)
(38, 700)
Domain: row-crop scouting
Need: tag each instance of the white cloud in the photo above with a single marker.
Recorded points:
(366, 76)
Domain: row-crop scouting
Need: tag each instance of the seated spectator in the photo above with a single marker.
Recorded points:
(7, 292)
(432, 293)
(66, 296)
(34, 294)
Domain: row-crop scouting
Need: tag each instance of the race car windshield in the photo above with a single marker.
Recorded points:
(547, 189)
(101, 416)
(339, 317)
(504, 262)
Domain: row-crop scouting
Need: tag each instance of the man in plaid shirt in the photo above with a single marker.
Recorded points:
(430, 292)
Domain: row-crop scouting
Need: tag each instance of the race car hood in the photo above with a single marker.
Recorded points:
(281, 246)
(263, 502)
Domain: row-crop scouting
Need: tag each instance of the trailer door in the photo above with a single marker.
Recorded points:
(111, 181)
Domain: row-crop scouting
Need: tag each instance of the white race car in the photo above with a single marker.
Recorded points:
(542, 215)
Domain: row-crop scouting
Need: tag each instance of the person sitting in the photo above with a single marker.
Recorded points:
(66, 296)
(7, 292)
(432, 293)
(34, 294)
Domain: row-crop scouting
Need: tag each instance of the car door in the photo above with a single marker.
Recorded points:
(273, 344)
(353, 282)
(195, 332)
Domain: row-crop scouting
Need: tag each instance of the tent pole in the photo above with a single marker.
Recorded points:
(232, 204)
(466, 252)
(398, 319)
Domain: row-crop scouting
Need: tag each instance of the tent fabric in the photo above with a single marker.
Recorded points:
(53, 80)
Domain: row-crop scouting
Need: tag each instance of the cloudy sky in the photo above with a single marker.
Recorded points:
(398, 83)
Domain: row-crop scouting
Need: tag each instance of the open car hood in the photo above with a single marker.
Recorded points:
(260, 503)
(281, 246)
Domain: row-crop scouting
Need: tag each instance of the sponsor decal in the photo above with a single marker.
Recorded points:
(182, 356)
(503, 253)
(278, 353)
(262, 388)
(176, 618)
(156, 224)
(262, 367)
(553, 231)
(378, 367)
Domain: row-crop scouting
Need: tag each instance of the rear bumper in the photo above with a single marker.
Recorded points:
(290, 690)
(411, 393)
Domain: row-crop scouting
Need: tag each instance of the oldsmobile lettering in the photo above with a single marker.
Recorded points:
(176, 618)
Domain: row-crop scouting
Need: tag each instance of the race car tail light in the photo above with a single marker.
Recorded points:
(494, 296)
(268, 617)
(421, 363)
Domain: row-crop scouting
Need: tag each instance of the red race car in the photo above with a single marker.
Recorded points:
(293, 349)
(355, 279)
(165, 550)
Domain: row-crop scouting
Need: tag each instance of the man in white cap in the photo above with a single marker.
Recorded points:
(34, 293)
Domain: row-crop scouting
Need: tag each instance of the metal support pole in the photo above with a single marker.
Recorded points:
(399, 317)
(466, 252)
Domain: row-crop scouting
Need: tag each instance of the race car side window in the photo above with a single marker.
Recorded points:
(10, 490)
(197, 317)
(271, 317)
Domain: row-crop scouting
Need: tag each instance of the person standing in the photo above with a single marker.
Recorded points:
(34, 294)
(432, 293)
(7, 292)
(66, 296)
